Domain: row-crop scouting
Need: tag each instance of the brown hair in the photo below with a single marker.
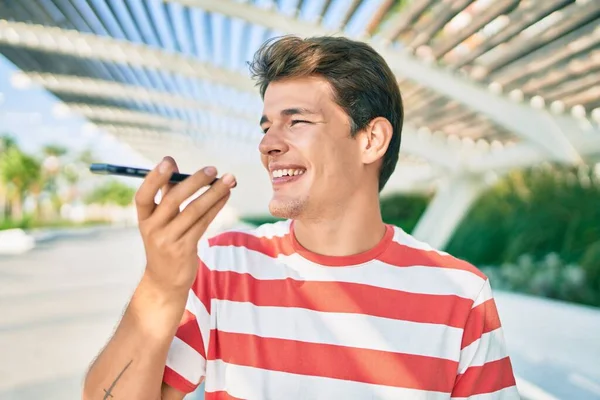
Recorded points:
(363, 84)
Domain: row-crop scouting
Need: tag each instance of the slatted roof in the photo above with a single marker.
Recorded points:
(487, 84)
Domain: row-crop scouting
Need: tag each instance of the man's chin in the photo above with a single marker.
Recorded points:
(286, 208)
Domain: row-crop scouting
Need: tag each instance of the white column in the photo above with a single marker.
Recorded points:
(451, 203)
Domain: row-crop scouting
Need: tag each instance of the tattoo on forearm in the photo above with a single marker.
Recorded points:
(108, 392)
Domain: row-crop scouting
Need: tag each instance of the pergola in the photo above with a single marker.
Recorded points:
(488, 85)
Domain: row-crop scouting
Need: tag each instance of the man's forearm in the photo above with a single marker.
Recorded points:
(132, 364)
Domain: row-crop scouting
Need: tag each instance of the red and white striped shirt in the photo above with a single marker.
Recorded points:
(268, 319)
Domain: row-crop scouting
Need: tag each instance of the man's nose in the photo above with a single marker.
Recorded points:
(272, 143)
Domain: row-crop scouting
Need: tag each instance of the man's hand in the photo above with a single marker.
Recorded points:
(131, 366)
(171, 236)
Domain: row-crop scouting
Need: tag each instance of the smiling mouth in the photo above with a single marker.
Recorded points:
(280, 176)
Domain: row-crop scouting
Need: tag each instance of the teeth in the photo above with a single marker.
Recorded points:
(278, 173)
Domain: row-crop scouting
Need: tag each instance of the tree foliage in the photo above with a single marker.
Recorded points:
(112, 192)
(48, 180)
(537, 211)
(19, 171)
(402, 210)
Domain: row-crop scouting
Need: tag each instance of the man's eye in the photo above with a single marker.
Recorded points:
(298, 121)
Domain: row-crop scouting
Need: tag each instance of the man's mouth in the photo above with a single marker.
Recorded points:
(280, 176)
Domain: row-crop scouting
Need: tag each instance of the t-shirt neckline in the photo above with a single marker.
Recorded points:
(343, 261)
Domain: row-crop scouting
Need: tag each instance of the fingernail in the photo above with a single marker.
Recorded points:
(228, 180)
(163, 167)
(210, 171)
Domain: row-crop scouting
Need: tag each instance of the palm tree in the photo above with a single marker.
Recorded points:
(51, 167)
(112, 192)
(6, 142)
(19, 173)
(76, 170)
(54, 150)
(87, 157)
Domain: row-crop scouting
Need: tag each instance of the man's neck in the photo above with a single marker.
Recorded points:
(349, 230)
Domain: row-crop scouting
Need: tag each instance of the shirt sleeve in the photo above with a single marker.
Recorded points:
(485, 370)
(186, 360)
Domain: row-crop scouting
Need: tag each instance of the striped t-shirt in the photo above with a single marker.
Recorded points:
(268, 319)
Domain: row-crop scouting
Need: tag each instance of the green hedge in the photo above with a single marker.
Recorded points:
(29, 222)
(548, 209)
(403, 210)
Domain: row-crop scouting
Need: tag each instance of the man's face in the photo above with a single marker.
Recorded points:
(313, 162)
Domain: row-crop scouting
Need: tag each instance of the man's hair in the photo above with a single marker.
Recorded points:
(363, 84)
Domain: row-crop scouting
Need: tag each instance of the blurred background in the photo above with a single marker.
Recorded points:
(500, 158)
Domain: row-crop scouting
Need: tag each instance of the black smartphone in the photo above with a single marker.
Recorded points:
(110, 169)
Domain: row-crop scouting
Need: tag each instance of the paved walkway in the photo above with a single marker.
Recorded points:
(58, 305)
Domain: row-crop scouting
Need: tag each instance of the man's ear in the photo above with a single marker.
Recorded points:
(375, 139)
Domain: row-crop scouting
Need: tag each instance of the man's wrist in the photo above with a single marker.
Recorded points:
(156, 310)
(160, 293)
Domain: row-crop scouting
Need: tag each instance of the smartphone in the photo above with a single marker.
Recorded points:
(110, 169)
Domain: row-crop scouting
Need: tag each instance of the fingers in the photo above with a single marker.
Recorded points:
(165, 189)
(169, 205)
(196, 231)
(202, 209)
(144, 198)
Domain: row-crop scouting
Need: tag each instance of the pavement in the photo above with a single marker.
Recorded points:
(554, 346)
(60, 303)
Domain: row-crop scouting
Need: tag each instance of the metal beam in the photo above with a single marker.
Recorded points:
(349, 13)
(526, 122)
(430, 148)
(138, 120)
(446, 44)
(378, 16)
(412, 178)
(87, 46)
(537, 126)
(527, 14)
(444, 12)
(146, 136)
(259, 16)
(403, 20)
(118, 115)
(440, 220)
(524, 155)
(102, 89)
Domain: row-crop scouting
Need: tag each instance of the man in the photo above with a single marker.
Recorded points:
(331, 303)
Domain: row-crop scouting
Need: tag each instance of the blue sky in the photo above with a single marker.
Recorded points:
(29, 115)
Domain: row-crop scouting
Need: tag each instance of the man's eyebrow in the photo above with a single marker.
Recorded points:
(291, 111)
(298, 111)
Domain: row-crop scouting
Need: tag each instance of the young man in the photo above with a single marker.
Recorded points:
(331, 303)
